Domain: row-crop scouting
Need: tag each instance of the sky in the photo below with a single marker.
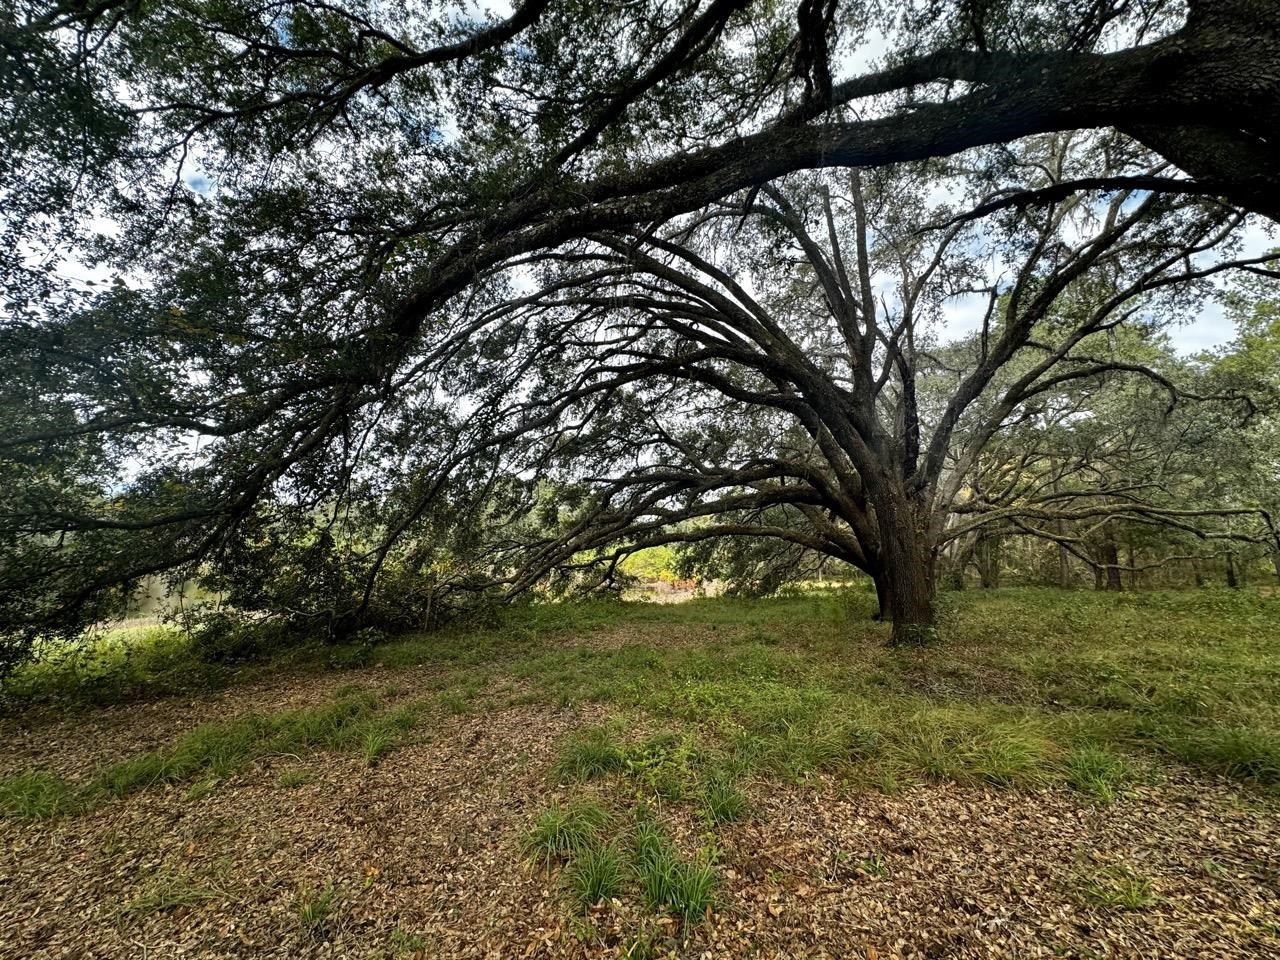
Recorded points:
(1205, 330)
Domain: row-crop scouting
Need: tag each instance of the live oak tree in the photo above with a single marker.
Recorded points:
(815, 301)
(296, 201)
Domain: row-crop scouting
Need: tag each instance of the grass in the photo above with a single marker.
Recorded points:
(874, 866)
(222, 749)
(1097, 772)
(603, 858)
(561, 831)
(295, 777)
(596, 874)
(669, 882)
(1027, 688)
(1117, 888)
(168, 891)
(315, 907)
(355, 721)
(591, 753)
(37, 795)
(404, 942)
(723, 801)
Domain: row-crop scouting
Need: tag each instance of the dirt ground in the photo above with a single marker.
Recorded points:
(422, 853)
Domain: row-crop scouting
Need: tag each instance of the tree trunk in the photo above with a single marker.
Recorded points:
(1232, 582)
(884, 611)
(910, 564)
(989, 562)
(1111, 557)
(1064, 562)
(1199, 576)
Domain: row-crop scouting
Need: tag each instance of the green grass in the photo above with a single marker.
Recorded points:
(589, 754)
(603, 859)
(560, 831)
(114, 666)
(37, 795)
(723, 800)
(1028, 688)
(222, 749)
(596, 874)
(295, 777)
(669, 882)
(874, 866)
(315, 908)
(168, 891)
(1097, 772)
(403, 942)
(214, 752)
(1117, 888)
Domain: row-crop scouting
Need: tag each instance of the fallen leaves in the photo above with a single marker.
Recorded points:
(428, 843)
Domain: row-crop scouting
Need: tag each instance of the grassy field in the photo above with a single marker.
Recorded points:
(651, 736)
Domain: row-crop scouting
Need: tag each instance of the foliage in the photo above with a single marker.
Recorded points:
(304, 300)
(591, 753)
(1118, 887)
(36, 795)
(354, 721)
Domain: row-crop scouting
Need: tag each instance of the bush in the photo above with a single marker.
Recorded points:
(226, 637)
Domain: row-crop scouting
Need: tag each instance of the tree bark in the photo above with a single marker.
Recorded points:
(989, 562)
(910, 563)
(1111, 557)
(884, 610)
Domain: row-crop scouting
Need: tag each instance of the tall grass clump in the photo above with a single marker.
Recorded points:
(560, 831)
(37, 795)
(668, 882)
(595, 874)
(589, 754)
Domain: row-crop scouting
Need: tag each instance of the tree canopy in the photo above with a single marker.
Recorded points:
(478, 300)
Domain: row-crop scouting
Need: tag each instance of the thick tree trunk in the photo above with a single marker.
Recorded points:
(1111, 557)
(910, 563)
(989, 562)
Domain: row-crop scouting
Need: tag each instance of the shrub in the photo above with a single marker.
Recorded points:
(663, 764)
